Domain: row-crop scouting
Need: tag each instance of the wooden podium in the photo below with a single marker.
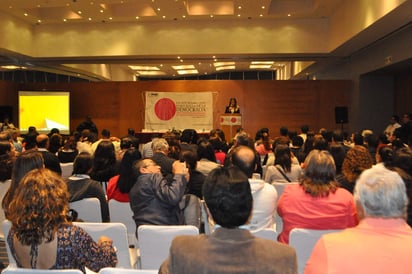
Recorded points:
(229, 123)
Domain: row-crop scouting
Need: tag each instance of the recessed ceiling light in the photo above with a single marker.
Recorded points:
(239, 7)
(211, 16)
(289, 14)
(262, 62)
(144, 67)
(225, 68)
(263, 7)
(64, 20)
(26, 14)
(137, 17)
(260, 66)
(183, 67)
(150, 73)
(79, 12)
(192, 71)
(164, 16)
(39, 21)
(222, 64)
(90, 19)
(110, 18)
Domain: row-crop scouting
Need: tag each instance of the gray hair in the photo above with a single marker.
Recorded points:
(382, 193)
(160, 144)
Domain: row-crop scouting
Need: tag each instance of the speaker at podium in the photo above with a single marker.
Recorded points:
(229, 123)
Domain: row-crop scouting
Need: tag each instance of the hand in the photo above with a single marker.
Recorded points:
(180, 168)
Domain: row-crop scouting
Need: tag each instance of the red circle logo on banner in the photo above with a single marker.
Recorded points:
(165, 109)
(233, 120)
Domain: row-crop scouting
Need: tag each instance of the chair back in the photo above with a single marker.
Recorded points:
(111, 270)
(120, 212)
(304, 240)
(4, 186)
(17, 270)
(117, 232)
(280, 187)
(155, 241)
(5, 227)
(67, 170)
(266, 233)
(88, 209)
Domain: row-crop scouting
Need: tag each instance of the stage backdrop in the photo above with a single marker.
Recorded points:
(178, 110)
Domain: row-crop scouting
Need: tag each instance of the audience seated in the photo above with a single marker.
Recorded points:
(402, 163)
(229, 249)
(357, 159)
(50, 160)
(264, 195)
(160, 156)
(382, 241)
(26, 161)
(316, 202)
(68, 151)
(155, 200)
(81, 186)
(41, 236)
(120, 185)
(104, 162)
(196, 178)
(206, 157)
(284, 169)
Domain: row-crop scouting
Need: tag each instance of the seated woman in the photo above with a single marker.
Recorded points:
(25, 162)
(317, 202)
(41, 236)
(284, 169)
(120, 185)
(81, 186)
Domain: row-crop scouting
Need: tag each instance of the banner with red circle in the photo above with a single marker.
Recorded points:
(178, 110)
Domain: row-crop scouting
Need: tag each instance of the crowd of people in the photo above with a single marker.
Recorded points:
(355, 183)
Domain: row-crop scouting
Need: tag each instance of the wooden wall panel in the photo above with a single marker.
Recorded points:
(120, 105)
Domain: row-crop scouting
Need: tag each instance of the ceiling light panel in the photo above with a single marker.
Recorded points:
(209, 7)
(188, 71)
(143, 67)
(183, 67)
(221, 64)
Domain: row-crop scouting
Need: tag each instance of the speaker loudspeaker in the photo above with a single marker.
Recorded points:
(341, 115)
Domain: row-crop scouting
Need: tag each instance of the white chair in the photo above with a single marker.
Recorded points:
(120, 212)
(118, 233)
(304, 240)
(208, 225)
(267, 233)
(111, 270)
(155, 241)
(88, 209)
(17, 270)
(280, 187)
(5, 227)
(4, 186)
(67, 170)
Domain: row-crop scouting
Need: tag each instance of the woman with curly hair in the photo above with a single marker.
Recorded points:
(316, 202)
(41, 236)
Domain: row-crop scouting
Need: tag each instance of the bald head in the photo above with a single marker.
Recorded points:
(244, 158)
(42, 141)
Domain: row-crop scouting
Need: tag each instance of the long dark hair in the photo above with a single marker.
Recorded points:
(128, 174)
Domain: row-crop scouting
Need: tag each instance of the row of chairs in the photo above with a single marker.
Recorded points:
(107, 270)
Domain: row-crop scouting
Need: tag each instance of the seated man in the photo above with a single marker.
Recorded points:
(264, 194)
(153, 199)
(229, 249)
(381, 243)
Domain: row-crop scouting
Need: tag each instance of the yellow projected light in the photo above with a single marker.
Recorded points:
(44, 110)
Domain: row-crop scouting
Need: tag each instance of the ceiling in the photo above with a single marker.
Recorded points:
(101, 13)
